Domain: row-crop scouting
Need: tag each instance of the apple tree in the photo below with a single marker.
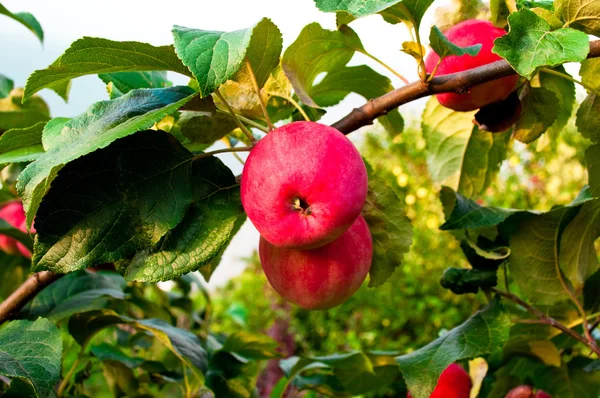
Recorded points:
(99, 208)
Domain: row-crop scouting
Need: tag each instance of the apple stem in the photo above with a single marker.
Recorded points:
(260, 98)
(224, 150)
(570, 78)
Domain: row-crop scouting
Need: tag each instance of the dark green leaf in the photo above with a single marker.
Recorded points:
(92, 56)
(114, 202)
(317, 50)
(21, 145)
(13, 273)
(463, 213)
(362, 80)
(444, 47)
(74, 293)
(251, 346)
(540, 110)
(591, 298)
(564, 91)
(184, 344)
(31, 351)
(592, 158)
(103, 123)
(9, 230)
(486, 331)
(588, 118)
(108, 352)
(121, 83)
(14, 114)
(391, 230)
(205, 229)
(27, 20)
(463, 280)
(6, 86)
(531, 44)
(204, 127)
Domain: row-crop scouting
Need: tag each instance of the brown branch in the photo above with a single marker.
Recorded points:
(545, 319)
(456, 82)
(26, 292)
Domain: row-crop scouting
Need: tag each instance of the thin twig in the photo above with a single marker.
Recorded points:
(380, 62)
(26, 292)
(260, 98)
(570, 78)
(545, 319)
(224, 150)
(244, 119)
(235, 117)
(453, 83)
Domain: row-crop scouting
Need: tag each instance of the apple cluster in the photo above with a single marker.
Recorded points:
(463, 34)
(303, 187)
(14, 215)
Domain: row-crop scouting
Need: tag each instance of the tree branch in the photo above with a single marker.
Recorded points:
(545, 319)
(456, 82)
(26, 292)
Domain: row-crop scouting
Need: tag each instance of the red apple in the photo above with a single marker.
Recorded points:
(526, 392)
(324, 277)
(13, 214)
(303, 185)
(468, 33)
(454, 382)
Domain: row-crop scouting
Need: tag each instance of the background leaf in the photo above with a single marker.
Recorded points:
(486, 331)
(540, 110)
(584, 15)
(6, 86)
(32, 352)
(14, 114)
(358, 8)
(74, 293)
(121, 83)
(21, 145)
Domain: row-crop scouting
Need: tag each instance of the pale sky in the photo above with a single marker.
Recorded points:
(65, 21)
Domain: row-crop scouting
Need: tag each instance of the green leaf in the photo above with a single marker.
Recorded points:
(317, 50)
(204, 127)
(463, 213)
(578, 256)
(74, 293)
(592, 159)
(483, 156)
(184, 344)
(362, 80)
(358, 8)
(14, 114)
(583, 15)
(444, 47)
(531, 44)
(588, 118)
(463, 280)
(564, 91)
(448, 135)
(121, 83)
(533, 261)
(27, 20)
(103, 123)
(121, 199)
(31, 351)
(549, 17)
(251, 346)
(92, 56)
(263, 53)
(391, 229)
(486, 331)
(6, 86)
(590, 68)
(9, 230)
(410, 12)
(540, 110)
(21, 145)
(108, 352)
(52, 132)
(215, 57)
(206, 228)
(13, 273)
